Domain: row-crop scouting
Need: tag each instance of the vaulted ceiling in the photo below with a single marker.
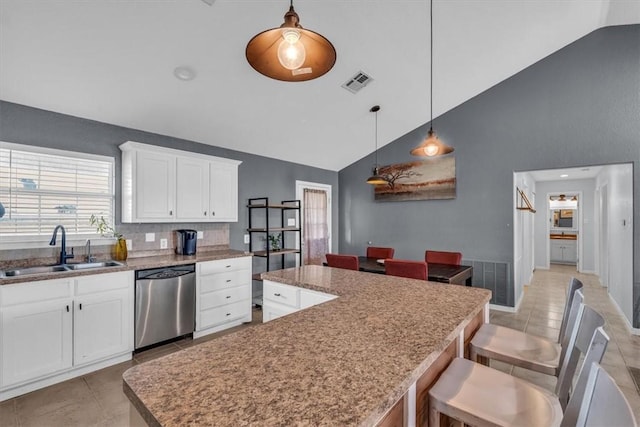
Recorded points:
(113, 61)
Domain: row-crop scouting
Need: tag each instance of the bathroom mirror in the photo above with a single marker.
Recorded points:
(563, 218)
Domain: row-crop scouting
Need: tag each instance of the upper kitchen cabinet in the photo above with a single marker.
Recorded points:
(165, 185)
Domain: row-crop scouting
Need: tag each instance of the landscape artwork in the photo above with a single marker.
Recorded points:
(429, 179)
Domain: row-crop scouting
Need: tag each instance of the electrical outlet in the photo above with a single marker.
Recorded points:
(150, 237)
(200, 235)
(163, 243)
(246, 239)
(129, 244)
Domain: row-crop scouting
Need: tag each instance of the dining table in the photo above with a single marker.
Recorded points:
(444, 273)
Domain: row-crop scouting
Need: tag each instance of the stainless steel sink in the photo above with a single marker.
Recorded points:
(35, 270)
(57, 268)
(86, 265)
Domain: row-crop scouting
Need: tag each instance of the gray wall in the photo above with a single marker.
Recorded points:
(579, 106)
(258, 176)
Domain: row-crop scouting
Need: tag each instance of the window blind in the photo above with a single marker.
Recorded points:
(41, 190)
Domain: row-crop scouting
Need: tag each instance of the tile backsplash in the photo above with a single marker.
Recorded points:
(215, 236)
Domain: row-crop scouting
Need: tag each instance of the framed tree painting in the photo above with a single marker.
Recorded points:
(429, 179)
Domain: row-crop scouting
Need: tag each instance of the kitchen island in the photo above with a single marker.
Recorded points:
(364, 358)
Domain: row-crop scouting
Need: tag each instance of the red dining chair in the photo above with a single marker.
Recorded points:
(379, 253)
(406, 268)
(443, 257)
(349, 262)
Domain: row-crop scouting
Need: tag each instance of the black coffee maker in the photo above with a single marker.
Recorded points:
(186, 242)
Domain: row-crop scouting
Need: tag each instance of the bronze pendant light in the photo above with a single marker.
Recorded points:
(376, 178)
(431, 146)
(291, 53)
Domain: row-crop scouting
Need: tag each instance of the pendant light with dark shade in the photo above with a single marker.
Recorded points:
(376, 179)
(431, 146)
(291, 53)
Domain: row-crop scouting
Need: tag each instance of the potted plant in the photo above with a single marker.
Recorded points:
(106, 230)
(275, 241)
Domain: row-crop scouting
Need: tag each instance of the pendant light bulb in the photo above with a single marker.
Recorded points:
(291, 52)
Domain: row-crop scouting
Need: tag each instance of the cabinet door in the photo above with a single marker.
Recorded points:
(154, 184)
(102, 326)
(36, 340)
(556, 251)
(223, 190)
(192, 189)
(570, 252)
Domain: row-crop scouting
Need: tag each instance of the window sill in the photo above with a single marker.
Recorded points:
(34, 242)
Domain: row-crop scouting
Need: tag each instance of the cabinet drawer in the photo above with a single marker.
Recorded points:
(104, 282)
(224, 314)
(224, 296)
(222, 265)
(230, 279)
(281, 294)
(44, 290)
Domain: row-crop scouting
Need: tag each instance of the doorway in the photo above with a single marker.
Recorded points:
(315, 200)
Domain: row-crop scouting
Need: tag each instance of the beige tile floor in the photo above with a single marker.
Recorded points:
(541, 312)
(97, 399)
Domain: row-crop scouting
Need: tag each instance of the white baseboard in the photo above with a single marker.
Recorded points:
(632, 330)
(502, 308)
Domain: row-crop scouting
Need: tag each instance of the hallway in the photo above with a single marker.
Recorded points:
(541, 312)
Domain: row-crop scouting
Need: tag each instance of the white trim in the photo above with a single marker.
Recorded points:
(132, 145)
(503, 308)
(632, 330)
(409, 417)
(56, 152)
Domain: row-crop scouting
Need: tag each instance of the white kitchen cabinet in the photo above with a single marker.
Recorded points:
(53, 330)
(166, 185)
(36, 330)
(280, 299)
(223, 193)
(563, 251)
(192, 186)
(223, 294)
(103, 316)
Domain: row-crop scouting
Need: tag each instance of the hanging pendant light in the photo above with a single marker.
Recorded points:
(376, 179)
(431, 146)
(291, 53)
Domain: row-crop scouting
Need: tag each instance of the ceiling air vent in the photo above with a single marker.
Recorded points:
(357, 82)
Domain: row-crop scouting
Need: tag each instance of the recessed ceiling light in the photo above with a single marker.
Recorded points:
(184, 73)
(564, 175)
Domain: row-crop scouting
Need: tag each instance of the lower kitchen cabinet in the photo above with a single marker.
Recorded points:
(53, 330)
(280, 299)
(103, 317)
(223, 294)
(563, 251)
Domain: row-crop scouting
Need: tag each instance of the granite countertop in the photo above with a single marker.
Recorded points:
(139, 263)
(343, 362)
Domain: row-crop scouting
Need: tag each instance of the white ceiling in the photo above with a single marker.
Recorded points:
(113, 61)
(587, 172)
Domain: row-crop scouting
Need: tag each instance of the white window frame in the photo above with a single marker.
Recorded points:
(73, 239)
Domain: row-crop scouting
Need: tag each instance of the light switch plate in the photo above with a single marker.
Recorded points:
(246, 239)
(150, 237)
(163, 243)
(200, 235)
(129, 244)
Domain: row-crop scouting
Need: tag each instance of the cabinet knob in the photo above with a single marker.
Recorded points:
(227, 266)
(277, 295)
(228, 296)
(67, 308)
(170, 212)
(80, 307)
(228, 280)
(205, 213)
(228, 314)
(213, 213)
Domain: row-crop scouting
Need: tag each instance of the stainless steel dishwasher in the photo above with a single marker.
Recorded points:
(165, 304)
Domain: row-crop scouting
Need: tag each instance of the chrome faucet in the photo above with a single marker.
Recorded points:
(63, 250)
(87, 250)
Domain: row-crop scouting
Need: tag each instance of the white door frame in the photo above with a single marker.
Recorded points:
(300, 186)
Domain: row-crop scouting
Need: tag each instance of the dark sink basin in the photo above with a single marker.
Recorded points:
(57, 268)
